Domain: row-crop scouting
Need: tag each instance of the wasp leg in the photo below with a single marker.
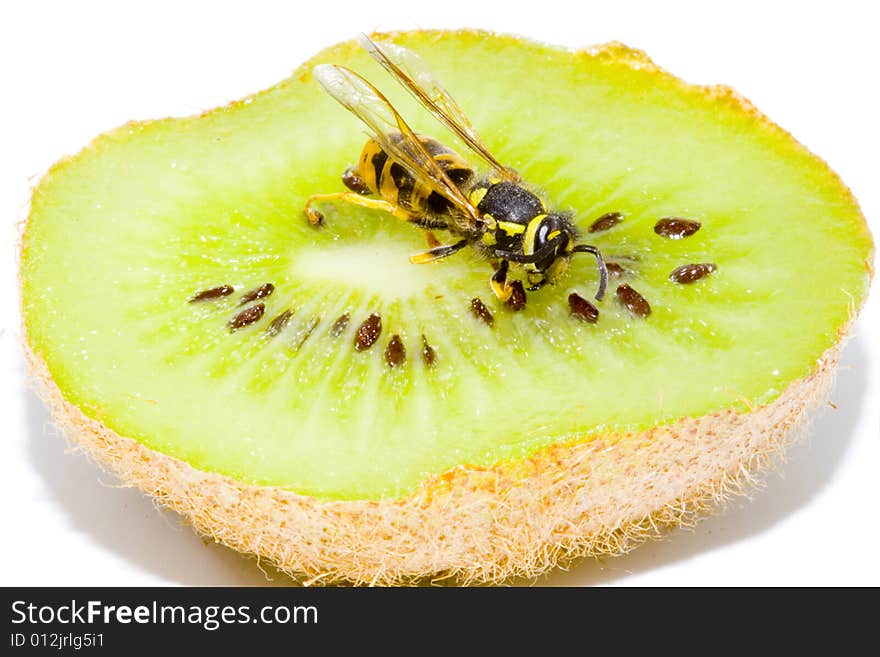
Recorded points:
(316, 217)
(437, 252)
(499, 284)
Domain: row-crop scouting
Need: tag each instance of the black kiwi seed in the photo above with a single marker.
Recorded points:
(517, 298)
(674, 228)
(263, 291)
(633, 301)
(691, 273)
(339, 325)
(478, 308)
(277, 325)
(368, 332)
(606, 221)
(395, 352)
(428, 353)
(247, 316)
(582, 309)
(213, 293)
(615, 269)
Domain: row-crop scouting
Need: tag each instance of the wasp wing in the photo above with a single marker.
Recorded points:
(367, 103)
(411, 71)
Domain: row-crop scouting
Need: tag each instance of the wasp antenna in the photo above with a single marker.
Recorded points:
(600, 263)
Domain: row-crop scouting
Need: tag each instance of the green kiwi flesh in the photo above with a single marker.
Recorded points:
(121, 236)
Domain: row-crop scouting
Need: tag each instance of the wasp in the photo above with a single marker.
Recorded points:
(421, 181)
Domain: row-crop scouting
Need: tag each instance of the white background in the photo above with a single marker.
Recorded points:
(73, 70)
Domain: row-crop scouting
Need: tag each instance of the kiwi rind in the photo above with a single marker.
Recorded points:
(472, 525)
(479, 523)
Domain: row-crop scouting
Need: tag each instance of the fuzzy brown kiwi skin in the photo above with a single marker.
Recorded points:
(601, 494)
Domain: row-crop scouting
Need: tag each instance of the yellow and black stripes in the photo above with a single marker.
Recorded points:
(370, 165)
(393, 182)
(530, 238)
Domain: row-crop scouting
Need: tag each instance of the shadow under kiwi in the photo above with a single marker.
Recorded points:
(126, 521)
(809, 466)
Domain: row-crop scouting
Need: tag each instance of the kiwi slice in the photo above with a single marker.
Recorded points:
(305, 394)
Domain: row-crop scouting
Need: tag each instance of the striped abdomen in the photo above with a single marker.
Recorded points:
(383, 176)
